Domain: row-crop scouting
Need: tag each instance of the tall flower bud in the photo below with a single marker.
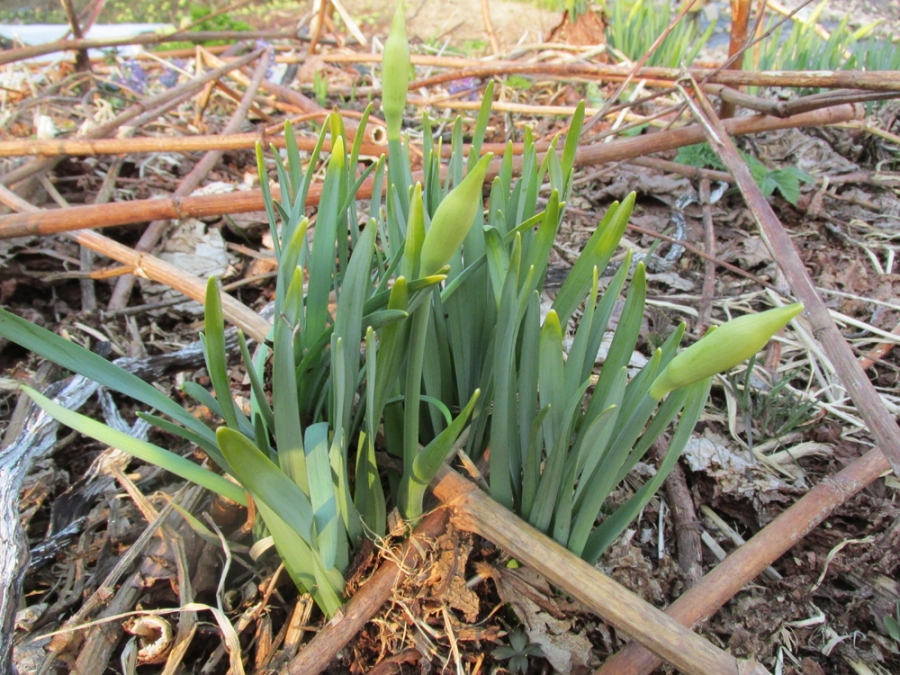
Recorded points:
(723, 348)
(395, 73)
(453, 219)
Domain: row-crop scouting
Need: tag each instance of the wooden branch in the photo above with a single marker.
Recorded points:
(133, 113)
(33, 51)
(872, 409)
(115, 146)
(477, 512)
(122, 291)
(740, 19)
(748, 562)
(126, 213)
(875, 80)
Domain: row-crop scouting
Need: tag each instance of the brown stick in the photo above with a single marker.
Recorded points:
(684, 520)
(740, 19)
(133, 112)
(489, 27)
(116, 146)
(876, 80)
(477, 512)
(22, 53)
(316, 655)
(122, 291)
(871, 408)
(747, 562)
(125, 213)
(709, 244)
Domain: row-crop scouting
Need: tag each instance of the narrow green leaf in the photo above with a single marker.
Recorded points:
(92, 366)
(141, 449)
(696, 395)
(267, 483)
(321, 491)
(216, 358)
(286, 407)
(597, 253)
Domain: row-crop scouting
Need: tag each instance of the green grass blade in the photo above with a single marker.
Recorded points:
(141, 449)
(267, 198)
(286, 407)
(426, 463)
(481, 123)
(697, 395)
(321, 492)
(186, 434)
(94, 367)
(267, 483)
(597, 253)
(505, 461)
(216, 358)
(259, 399)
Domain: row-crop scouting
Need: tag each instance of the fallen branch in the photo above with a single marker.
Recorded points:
(475, 511)
(872, 409)
(126, 213)
(874, 80)
(33, 51)
(748, 562)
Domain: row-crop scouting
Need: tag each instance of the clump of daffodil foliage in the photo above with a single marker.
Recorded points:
(437, 341)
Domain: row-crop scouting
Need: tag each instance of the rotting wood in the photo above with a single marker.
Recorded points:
(746, 563)
(475, 511)
(871, 407)
(126, 213)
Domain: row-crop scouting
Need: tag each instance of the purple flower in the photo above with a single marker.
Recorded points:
(467, 85)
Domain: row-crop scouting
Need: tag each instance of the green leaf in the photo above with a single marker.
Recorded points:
(597, 253)
(141, 449)
(426, 463)
(696, 395)
(216, 358)
(94, 367)
(286, 407)
(267, 483)
(321, 492)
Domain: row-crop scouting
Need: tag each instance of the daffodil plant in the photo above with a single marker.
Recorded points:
(418, 330)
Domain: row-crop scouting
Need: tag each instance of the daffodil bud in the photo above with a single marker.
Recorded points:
(453, 219)
(395, 74)
(723, 348)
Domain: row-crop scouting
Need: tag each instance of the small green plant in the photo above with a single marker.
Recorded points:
(436, 342)
(634, 27)
(320, 88)
(786, 180)
(195, 19)
(518, 652)
(892, 625)
(774, 411)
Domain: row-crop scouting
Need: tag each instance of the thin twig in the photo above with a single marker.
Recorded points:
(878, 418)
(124, 213)
(747, 562)
(122, 291)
